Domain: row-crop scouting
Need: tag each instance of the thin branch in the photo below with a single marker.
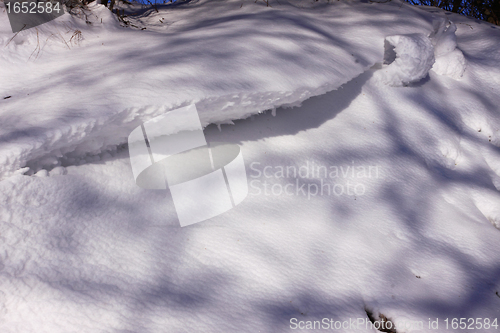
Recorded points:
(15, 35)
(37, 45)
(153, 6)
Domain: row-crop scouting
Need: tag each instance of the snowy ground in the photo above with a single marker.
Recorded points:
(85, 250)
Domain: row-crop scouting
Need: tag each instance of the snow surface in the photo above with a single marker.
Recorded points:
(83, 95)
(450, 60)
(83, 249)
(414, 59)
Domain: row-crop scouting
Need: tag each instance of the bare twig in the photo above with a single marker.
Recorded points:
(15, 35)
(47, 40)
(76, 38)
(37, 46)
(470, 26)
(153, 6)
(64, 41)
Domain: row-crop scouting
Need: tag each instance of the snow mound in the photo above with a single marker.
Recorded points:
(84, 84)
(86, 250)
(450, 60)
(414, 59)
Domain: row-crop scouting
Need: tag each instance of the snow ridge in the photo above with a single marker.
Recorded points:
(450, 60)
(414, 59)
(416, 54)
(78, 103)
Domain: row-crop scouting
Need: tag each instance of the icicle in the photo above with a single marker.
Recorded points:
(273, 112)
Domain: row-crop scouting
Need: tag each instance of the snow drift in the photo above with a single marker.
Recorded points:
(81, 85)
(84, 249)
(414, 59)
(450, 61)
(410, 57)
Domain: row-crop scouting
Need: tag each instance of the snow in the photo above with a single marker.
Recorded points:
(84, 249)
(104, 86)
(414, 59)
(450, 60)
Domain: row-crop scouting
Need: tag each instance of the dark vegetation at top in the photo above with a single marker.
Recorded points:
(486, 10)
